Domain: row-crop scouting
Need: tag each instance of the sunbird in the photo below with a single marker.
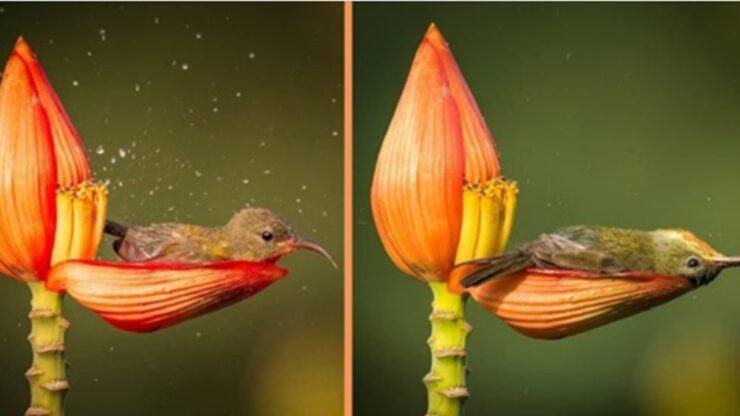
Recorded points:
(604, 251)
(582, 277)
(252, 234)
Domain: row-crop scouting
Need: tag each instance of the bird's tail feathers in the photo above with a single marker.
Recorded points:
(495, 267)
(115, 229)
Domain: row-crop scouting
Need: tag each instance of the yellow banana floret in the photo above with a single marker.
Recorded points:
(65, 221)
(101, 209)
(470, 224)
(84, 218)
(490, 219)
(509, 198)
(80, 220)
(488, 216)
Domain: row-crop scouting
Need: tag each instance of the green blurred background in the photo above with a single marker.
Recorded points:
(618, 114)
(192, 111)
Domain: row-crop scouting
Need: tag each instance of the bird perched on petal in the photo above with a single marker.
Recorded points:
(174, 272)
(252, 234)
(582, 277)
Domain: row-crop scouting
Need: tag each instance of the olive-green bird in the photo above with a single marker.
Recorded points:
(252, 234)
(609, 251)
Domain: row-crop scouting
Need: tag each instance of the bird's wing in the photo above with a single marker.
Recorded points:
(155, 242)
(558, 251)
(495, 267)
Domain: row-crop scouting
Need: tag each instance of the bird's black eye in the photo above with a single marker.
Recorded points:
(693, 262)
(266, 235)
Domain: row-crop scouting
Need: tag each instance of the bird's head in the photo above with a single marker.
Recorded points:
(681, 253)
(258, 234)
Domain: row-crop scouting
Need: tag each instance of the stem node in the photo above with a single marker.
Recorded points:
(37, 411)
(47, 375)
(445, 382)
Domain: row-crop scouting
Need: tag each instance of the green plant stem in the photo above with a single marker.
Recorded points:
(445, 382)
(47, 375)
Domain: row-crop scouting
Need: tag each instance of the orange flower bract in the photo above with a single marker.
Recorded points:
(437, 149)
(417, 192)
(41, 152)
(72, 163)
(481, 161)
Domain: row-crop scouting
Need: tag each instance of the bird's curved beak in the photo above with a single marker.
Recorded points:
(296, 243)
(725, 262)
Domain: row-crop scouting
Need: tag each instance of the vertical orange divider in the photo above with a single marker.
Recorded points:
(348, 208)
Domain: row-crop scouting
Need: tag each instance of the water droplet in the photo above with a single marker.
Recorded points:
(335, 133)
(198, 173)
(122, 153)
(156, 20)
(304, 187)
(238, 94)
(267, 171)
(184, 67)
(252, 55)
(215, 109)
(198, 36)
(245, 181)
(100, 150)
(137, 88)
(75, 83)
(113, 161)
(198, 334)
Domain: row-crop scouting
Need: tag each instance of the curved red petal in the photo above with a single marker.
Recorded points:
(149, 296)
(72, 161)
(554, 304)
(27, 177)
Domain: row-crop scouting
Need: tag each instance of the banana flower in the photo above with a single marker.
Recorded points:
(438, 200)
(52, 216)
